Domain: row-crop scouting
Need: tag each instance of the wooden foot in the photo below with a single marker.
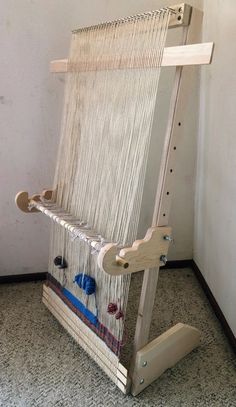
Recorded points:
(162, 353)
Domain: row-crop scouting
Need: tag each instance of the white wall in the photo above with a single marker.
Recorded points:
(31, 34)
(215, 205)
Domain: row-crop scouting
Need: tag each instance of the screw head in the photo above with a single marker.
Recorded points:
(144, 363)
(168, 238)
(163, 259)
(141, 381)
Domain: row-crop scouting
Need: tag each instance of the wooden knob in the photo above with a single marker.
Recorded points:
(22, 201)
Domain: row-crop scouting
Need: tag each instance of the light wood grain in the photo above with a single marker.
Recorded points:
(193, 54)
(163, 353)
(183, 55)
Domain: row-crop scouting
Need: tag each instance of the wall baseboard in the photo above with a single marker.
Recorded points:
(219, 314)
(23, 278)
(178, 264)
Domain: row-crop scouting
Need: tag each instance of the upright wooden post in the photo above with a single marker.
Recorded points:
(163, 201)
(150, 277)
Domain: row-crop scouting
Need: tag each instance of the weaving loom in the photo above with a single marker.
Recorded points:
(95, 203)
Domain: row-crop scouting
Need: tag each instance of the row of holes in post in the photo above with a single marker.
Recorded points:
(171, 170)
(179, 17)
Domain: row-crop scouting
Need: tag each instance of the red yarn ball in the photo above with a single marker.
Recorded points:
(119, 315)
(111, 308)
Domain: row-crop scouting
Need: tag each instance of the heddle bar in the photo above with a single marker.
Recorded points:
(112, 259)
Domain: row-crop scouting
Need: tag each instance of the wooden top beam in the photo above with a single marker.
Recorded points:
(180, 16)
(194, 54)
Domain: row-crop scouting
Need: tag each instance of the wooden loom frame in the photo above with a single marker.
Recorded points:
(150, 360)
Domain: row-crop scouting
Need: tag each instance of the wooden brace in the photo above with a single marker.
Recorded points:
(163, 353)
(146, 253)
(23, 200)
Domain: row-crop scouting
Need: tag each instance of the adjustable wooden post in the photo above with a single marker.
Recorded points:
(181, 339)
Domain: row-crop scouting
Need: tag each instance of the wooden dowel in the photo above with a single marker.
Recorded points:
(121, 262)
(59, 66)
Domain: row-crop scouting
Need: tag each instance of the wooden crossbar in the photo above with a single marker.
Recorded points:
(194, 54)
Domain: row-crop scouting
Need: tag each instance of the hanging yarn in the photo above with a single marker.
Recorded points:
(86, 283)
(103, 154)
(112, 309)
(60, 262)
(119, 315)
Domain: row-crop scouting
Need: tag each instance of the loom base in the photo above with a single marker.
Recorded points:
(87, 339)
(150, 361)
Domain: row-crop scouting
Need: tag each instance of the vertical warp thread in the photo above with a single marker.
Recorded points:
(103, 150)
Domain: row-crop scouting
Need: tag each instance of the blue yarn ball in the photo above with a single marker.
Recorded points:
(86, 283)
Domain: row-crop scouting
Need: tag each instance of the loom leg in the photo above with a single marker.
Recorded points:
(161, 354)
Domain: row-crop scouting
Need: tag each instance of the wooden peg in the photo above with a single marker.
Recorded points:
(121, 262)
(47, 194)
(23, 200)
